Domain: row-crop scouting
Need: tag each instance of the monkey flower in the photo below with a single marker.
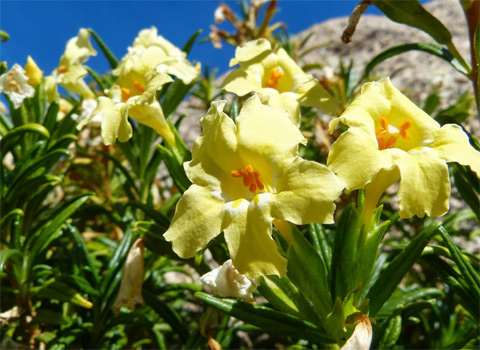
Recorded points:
(245, 174)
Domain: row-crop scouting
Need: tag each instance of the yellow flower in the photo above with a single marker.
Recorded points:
(278, 80)
(134, 95)
(245, 174)
(70, 71)
(171, 60)
(34, 74)
(390, 139)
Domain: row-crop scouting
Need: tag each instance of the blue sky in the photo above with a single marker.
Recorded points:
(42, 28)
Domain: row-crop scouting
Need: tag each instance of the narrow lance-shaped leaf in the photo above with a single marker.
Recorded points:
(267, 319)
(430, 48)
(307, 271)
(398, 268)
(106, 51)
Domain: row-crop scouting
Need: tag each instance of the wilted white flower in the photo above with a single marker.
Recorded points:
(361, 337)
(226, 281)
(132, 279)
(14, 83)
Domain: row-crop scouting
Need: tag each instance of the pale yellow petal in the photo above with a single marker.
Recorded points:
(214, 153)
(253, 50)
(355, 158)
(114, 121)
(305, 193)
(452, 145)
(248, 230)
(424, 184)
(265, 132)
(286, 101)
(152, 116)
(241, 83)
(198, 219)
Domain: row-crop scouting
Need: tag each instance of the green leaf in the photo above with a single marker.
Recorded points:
(6, 255)
(321, 245)
(106, 51)
(7, 142)
(284, 296)
(130, 181)
(468, 186)
(62, 292)
(431, 103)
(49, 229)
(413, 14)
(174, 157)
(398, 268)
(267, 319)
(307, 271)
(157, 216)
(51, 116)
(167, 313)
(174, 95)
(467, 271)
(191, 41)
(430, 48)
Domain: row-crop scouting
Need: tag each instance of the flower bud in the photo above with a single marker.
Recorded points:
(34, 74)
(132, 279)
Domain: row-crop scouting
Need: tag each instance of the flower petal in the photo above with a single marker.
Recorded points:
(306, 191)
(198, 218)
(424, 184)
(214, 152)
(114, 121)
(152, 115)
(355, 158)
(241, 83)
(266, 132)
(452, 145)
(248, 230)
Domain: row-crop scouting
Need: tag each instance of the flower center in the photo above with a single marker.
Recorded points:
(388, 134)
(251, 178)
(127, 93)
(275, 75)
(13, 86)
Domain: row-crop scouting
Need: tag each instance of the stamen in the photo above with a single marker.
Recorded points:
(62, 69)
(391, 141)
(125, 94)
(13, 85)
(275, 75)
(138, 86)
(403, 129)
(251, 178)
